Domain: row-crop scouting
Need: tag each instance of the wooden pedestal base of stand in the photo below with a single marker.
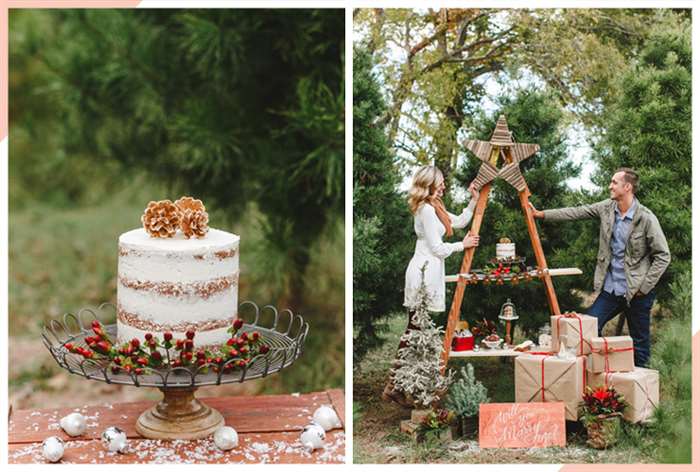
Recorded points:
(179, 415)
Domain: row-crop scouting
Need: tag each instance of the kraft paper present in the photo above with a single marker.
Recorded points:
(579, 330)
(611, 354)
(542, 378)
(640, 388)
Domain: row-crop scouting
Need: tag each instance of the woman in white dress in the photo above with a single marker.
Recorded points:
(431, 223)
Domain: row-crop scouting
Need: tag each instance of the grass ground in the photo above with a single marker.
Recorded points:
(65, 259)
(377, 438)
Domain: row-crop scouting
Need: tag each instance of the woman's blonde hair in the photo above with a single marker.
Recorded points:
(425, 181)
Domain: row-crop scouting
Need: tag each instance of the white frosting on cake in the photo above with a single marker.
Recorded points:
(504, 250)
(174, 284)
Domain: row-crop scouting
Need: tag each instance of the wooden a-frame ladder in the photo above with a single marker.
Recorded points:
(500, 148)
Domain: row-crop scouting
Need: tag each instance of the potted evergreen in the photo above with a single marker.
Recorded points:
(601, 414)
(464, 397)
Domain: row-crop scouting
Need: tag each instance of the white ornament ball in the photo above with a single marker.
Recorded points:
(313, 436)
(225, 438)
(74, 424)
(52, 449)
(114, 439)
(326, 417)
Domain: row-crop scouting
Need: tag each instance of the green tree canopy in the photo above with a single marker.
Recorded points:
(237, 107)
(649, 129)
(434, 64)
(381, 220)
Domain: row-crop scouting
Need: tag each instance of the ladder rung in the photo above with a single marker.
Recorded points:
(533, 273)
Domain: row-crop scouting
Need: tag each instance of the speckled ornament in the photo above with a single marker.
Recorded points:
(313, 436)
(114, 439)
(326, 417)
(52, 448)
(74, 424)
(225, 438)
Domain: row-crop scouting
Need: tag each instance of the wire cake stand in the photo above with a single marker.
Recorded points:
(179, 415)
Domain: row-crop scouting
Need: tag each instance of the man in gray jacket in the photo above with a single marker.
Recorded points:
(632, 256)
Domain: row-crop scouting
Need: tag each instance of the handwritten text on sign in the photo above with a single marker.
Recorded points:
(522, 425)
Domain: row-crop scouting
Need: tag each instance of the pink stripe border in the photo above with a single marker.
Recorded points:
(6, 5)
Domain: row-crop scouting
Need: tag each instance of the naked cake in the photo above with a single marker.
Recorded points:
(174, 283)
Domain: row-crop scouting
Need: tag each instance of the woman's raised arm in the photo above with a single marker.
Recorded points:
(431, 225)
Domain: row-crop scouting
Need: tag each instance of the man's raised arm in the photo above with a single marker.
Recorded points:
(570, 213)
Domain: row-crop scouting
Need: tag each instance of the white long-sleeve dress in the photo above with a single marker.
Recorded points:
(431, 249)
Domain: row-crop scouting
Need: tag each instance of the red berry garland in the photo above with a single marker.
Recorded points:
(135, 357)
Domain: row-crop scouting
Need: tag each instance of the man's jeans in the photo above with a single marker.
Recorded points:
(607, 305)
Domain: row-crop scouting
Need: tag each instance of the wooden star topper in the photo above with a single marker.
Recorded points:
(489, 152)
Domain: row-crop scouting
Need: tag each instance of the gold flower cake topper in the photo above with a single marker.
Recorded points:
(163, 218)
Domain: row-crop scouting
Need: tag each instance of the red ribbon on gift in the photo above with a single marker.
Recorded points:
(580, 329)
(607, 350)
(606, 377)
(542, 368)
(545, 355)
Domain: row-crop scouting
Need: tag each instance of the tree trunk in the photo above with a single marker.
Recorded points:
(447, 145)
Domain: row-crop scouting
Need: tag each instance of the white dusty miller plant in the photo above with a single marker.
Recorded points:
(417, 371)
(466, 394)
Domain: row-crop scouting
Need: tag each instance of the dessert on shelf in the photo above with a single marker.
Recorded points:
(506, 264)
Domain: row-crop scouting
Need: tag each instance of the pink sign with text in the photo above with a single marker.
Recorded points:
(522, 425)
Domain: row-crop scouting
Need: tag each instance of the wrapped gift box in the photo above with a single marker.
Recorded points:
(579, 329)
(611, 354)
(463, 340)
(547, 378)
(640, 388)
(463, 343)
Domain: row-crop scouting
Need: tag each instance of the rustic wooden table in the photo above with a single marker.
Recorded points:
(268, 428)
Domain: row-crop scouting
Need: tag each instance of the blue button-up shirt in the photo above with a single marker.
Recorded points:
(615, 281)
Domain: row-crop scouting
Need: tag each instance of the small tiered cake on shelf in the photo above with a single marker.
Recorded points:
(505, 249)
(506, 263)
(176, 274)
